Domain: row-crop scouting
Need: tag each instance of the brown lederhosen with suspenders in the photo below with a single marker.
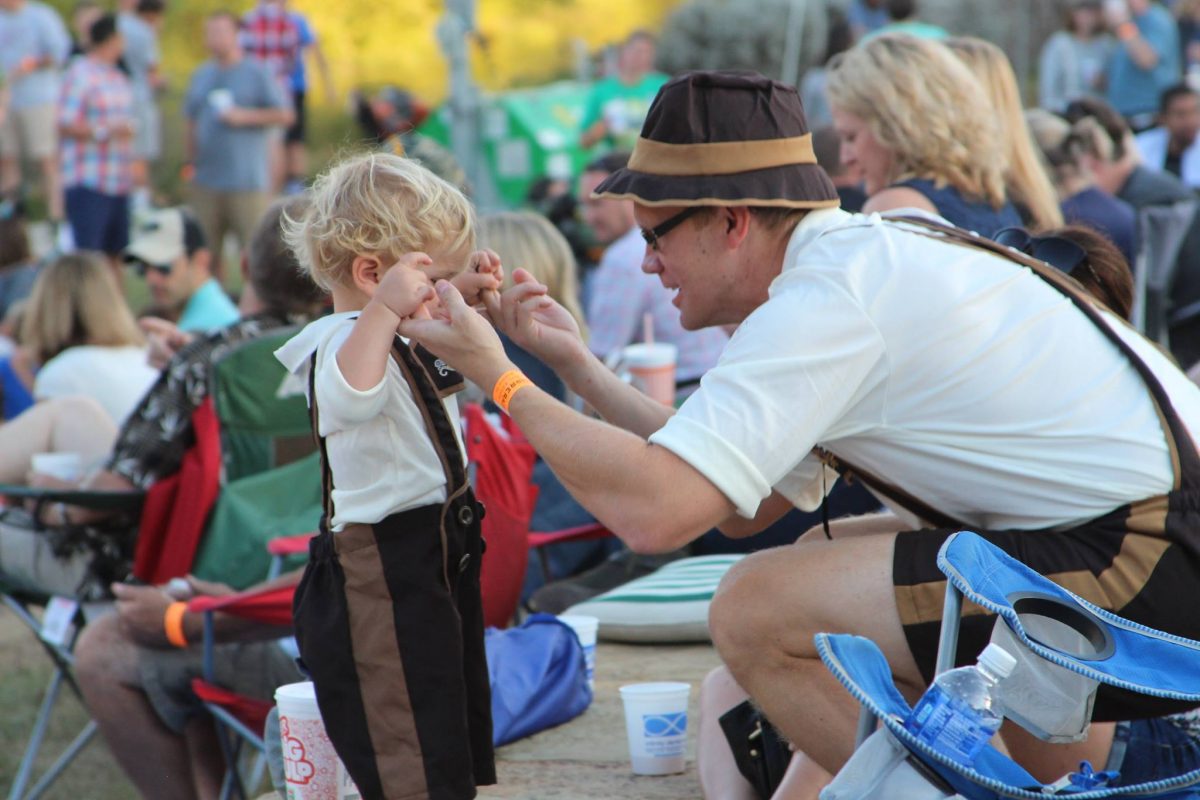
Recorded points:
(1141, 561)
(390, 626)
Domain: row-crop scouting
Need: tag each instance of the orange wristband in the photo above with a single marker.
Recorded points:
(508, 385)
(173, 624)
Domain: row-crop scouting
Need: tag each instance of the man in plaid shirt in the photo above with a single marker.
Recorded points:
(96, 122)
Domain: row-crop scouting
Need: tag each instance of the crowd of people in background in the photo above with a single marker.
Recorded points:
(906, 115)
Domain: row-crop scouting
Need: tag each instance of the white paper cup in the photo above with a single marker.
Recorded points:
(652, 367)
(64, 466)
(656, 724)
(221, 100)
(585, 628)
(311, 767)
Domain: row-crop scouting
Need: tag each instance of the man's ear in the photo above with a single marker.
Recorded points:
(202, 261)
(737, 225)
(365, 273)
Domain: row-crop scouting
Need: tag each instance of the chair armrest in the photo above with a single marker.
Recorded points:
(290, 545)
(130, 500)
(580, 533)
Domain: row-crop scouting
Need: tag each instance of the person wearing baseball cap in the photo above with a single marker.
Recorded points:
(167, 249)
(967, 384)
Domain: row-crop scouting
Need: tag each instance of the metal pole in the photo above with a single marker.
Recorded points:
(463, 103)
(789, 70)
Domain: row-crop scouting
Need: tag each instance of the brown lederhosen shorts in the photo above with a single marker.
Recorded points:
(1145, 578)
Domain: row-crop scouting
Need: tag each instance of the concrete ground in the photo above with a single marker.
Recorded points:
(588, 757)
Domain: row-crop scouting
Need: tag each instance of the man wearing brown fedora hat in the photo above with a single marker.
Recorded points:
(973, 387)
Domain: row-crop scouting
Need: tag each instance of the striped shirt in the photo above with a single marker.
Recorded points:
(271, 36)
(99, 97)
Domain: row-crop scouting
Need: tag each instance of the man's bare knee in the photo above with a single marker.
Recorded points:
(104, 656)
(742, 616)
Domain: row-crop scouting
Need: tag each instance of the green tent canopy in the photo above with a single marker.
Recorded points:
(527, 134)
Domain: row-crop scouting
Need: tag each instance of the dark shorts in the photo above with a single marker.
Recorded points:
(1155, 749)
(390, 626)
(297, 132)
(98, 221)
(253, 669)
(1143, 578)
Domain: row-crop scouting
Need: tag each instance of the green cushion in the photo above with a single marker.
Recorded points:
(669, 605)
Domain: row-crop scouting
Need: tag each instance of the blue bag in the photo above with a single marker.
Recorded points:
(537, 675)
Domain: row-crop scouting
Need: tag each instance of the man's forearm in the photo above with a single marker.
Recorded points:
(614, 400)
(649, 497)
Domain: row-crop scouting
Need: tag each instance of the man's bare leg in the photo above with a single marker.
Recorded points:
(1048, 762)
(204, 753)
(153, 757)
(51, 185)
(60, 425)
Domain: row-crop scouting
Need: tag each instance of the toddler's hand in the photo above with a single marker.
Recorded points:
(404, 288)
(483, 274)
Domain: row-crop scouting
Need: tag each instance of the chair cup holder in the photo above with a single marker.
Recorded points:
(1050, 701)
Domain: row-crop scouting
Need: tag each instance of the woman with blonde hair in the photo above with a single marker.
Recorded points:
(1026, 181)
(528, 241)
(916, 121)
(80, 333)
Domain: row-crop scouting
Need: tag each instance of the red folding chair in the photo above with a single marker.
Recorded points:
(502, 462)
(239, 719)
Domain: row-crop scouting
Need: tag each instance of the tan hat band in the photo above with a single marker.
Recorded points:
(720, 158)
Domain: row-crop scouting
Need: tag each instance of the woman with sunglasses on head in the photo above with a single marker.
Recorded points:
(916, 121)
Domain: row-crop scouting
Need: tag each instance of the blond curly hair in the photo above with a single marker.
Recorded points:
(376, 204)
(924, 104)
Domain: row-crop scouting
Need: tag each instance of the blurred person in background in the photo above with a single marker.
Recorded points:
(82, 336)
(812, 86)
(270, 35)
(1174, 146)
(621, 296)
(1026, 183)
(617, 104)
(231, 105)
(1082, 202)
(1073, 60)
(296, 137)
(1146, 59)
(935, 146)
(1187, 15)
(904, 17)
(18, 267)
(390, 117)
(1109, 153)
(83, 14)
(33, 48)
(848, 182)
(866, 16)
(96, 125)
(168, 250)
(139, 22)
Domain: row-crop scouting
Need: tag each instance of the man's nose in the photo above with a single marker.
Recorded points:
(650, 263)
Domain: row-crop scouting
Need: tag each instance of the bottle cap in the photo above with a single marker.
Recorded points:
(997, 660)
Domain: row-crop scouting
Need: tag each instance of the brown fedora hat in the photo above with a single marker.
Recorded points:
(723, 139)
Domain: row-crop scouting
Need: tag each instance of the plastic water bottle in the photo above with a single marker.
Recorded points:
(955, 716)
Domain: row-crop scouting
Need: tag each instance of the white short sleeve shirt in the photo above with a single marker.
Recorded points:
(958, 376)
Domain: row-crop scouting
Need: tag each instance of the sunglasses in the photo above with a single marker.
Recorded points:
(1062, 254)
(140, 268)
(656, 233)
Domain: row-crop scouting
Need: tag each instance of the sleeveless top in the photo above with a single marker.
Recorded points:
(964, 211)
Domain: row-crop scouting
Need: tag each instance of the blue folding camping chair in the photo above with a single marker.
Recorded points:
(1117, 652)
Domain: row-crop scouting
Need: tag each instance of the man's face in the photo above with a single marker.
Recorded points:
(608, 219)
(637, 57)
(82, 21)
(172, 285)
(689, 262)
(220, 36)
(1182, 119)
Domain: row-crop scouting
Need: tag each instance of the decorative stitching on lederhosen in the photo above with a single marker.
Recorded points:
(1185, 462)
(437, 424)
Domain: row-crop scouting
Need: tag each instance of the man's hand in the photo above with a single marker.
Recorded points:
(140, 610)
(483, 274)
(463, 338)
(165, 340)
(404, 288)
(538, 324)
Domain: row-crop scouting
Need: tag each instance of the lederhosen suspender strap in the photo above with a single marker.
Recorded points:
(1185, 462)
(437, 423)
